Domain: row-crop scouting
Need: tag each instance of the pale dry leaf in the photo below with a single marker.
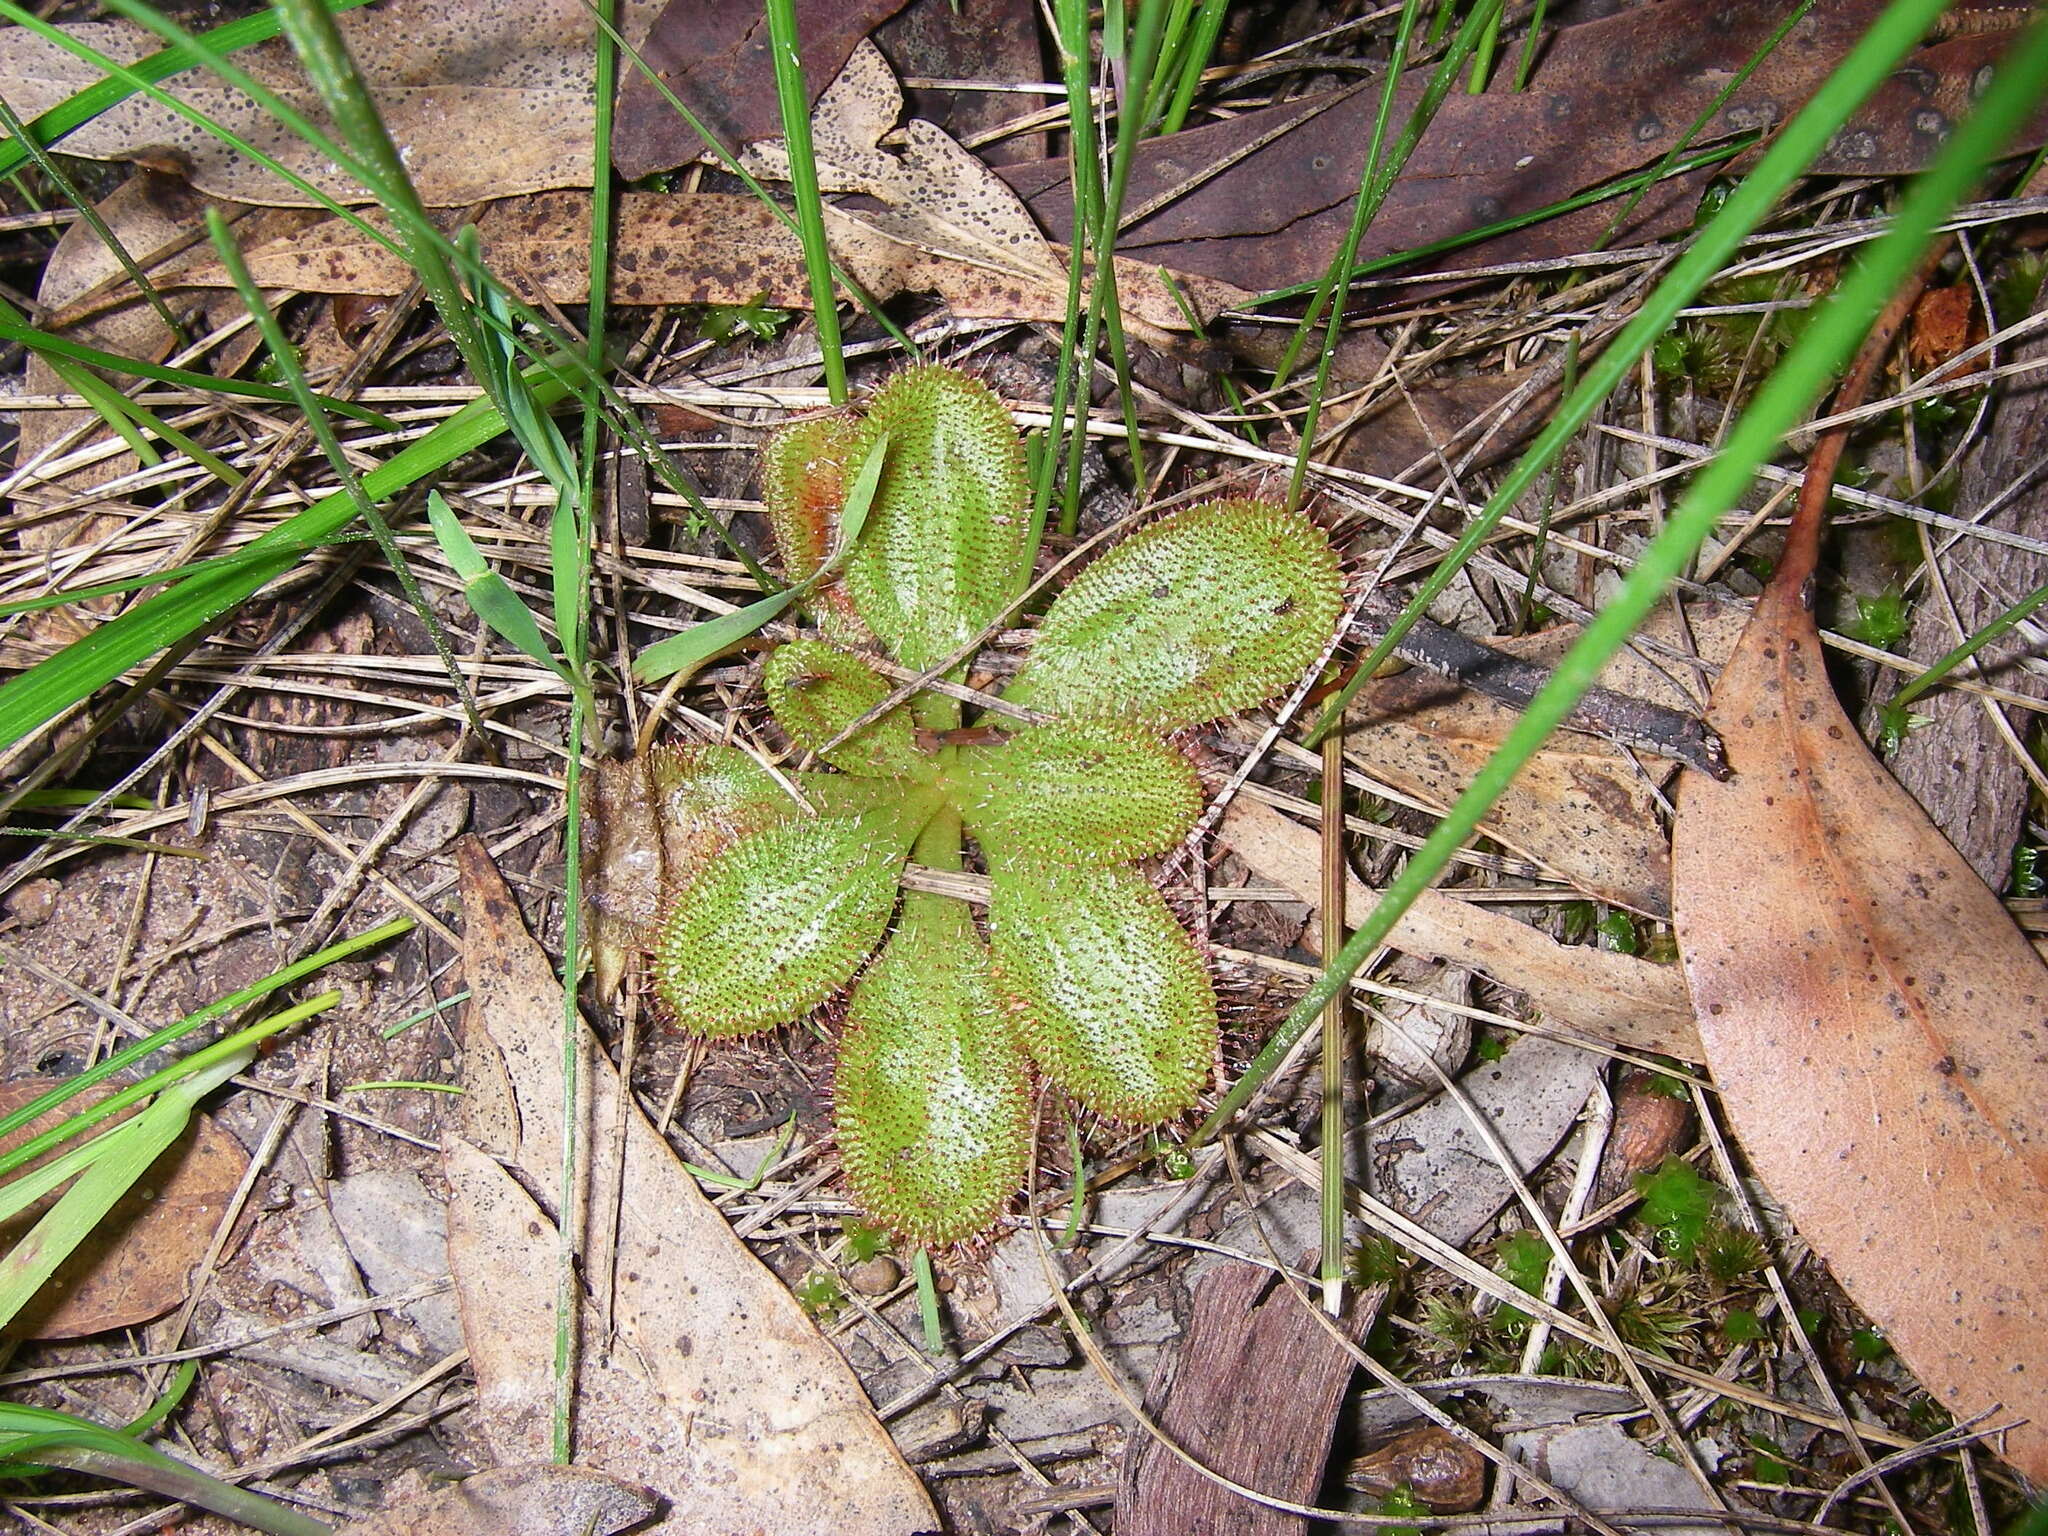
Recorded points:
(709, 1384)
(1877, 1026)
(1435, 1166)
(137, 1263)
(483, 97)
(686, 248)
(1618, 998)
(935, 196)
(535, 1500)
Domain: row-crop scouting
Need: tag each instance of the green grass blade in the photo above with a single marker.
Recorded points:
(1071, 21)
(56, 348)
(700, 642)
(1378, 174)
(1365, 207)
(1698, 125)
(50, 687)
(1140, 56)
(170, 1034)
(1780, 404)
(1894, 713)
(124, 1159)
(795, 103)
(489, 593)
(1506, 226)
(17, 1195)
(18, 133)
(1201, 46)
(286, 356)
(1873, 58)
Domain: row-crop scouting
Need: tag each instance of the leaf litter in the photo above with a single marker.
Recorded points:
(1600, 994)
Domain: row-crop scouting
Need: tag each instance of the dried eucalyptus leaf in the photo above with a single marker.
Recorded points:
(931, 1093)
(1110, 995)
(1086, 793)
(1206, 612)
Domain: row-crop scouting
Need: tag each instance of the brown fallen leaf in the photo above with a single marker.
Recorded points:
(483, 97)
(1877, 1025)
(706, 1381)
(1613, 997)
(712, 55)
(137, 1263)
(1609, 96)
(1580, 808)
(688, 248)
(936, 40)
(538, 1500)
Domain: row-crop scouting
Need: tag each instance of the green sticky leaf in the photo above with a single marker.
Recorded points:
(1207, 612)
(816, 690)
(700, 642)
(950, 519)
(1108, 992)
(780, 922)
(1094, 792)
(931, 1096)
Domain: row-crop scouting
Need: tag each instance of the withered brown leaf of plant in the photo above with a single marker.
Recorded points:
(137, 1263)
(533, 1499)
(701, 1376)
(1606, 995)
(1583, 808)
(1877, 1025)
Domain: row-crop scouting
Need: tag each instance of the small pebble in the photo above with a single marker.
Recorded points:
(876, 1277)
(34, 903)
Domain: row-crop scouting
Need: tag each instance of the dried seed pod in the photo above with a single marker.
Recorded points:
(815, 691)
(1081, 793)
(780, 922)
(931, 1094)
(650, 825)
(946, 540)
(1206, 612)
(1440, 1469)
(1649, 1126)
(1110, 996)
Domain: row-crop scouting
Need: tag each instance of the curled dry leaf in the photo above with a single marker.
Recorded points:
(138, 1262)
(1877, 1025)
(1614, 997)
(692, 248)
(1581, 808)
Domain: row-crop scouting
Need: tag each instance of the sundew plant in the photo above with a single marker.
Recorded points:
(760, 896)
